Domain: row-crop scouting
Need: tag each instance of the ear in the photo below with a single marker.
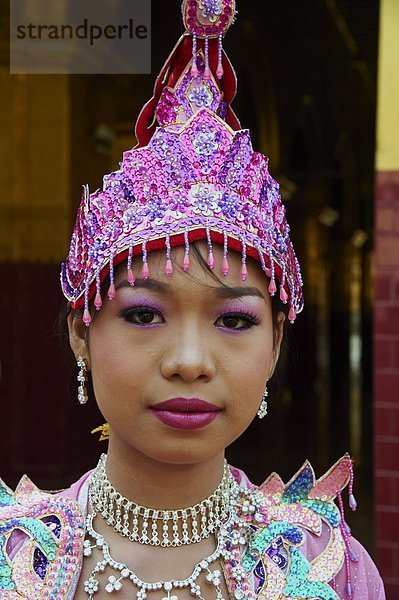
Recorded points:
(278, 338)
(79, 337)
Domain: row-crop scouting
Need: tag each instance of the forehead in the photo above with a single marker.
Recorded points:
(199, 276)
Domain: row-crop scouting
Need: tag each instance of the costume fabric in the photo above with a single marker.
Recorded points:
(296, 553)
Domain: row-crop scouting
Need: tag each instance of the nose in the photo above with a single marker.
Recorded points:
(189, 355)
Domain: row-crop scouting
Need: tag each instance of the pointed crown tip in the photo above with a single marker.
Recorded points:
(208, 18)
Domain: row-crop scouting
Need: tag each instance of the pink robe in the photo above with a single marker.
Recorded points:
(366, 581)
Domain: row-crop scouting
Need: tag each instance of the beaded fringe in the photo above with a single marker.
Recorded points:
(145, 272)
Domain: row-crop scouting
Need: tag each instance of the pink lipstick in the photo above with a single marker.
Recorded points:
(185, 413)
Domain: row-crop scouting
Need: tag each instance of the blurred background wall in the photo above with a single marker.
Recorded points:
(386, 305)
(308, 90)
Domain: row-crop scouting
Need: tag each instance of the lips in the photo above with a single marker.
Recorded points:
(185, 413)
(188, 405)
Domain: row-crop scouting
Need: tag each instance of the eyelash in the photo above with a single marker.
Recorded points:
(130, 314)
(249, 318)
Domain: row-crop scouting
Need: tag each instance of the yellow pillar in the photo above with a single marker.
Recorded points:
(386, 301)
(388, 88)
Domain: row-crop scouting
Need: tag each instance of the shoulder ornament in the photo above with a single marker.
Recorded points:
(41, 537)
(263, 555)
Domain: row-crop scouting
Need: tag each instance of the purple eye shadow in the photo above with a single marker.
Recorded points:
(137, 299)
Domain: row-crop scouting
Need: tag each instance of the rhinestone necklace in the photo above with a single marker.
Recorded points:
(166, 528)
(126, 575)
(220, 508)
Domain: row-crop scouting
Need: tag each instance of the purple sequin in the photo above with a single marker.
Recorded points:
(195, 173)
(274, 552)
(259, 572)
(230, 203)
(40, 562)
(167, 108)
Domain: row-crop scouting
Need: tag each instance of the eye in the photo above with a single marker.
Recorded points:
(142, 315)
(237, 321)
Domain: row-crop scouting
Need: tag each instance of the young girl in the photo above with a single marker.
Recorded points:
(181, 278)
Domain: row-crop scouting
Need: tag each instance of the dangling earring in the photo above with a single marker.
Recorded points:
(262, 412)
(82, 377)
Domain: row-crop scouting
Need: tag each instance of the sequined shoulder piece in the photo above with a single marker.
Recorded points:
(263, 559)
(41, 537)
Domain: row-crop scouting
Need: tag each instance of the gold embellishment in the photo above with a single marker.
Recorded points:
(104, 431)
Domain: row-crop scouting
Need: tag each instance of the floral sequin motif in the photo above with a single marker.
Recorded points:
(218, 13)
(198, 92)
(204, 199)
(230, 204)
(205, 142)
(200, 96)
(211, 9)
(155, 208)
(98, 247)
(131, 218)
(205, 145)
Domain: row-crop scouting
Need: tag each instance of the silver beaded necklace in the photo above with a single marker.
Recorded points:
(166, 528)
(126, 575)
(219, 511)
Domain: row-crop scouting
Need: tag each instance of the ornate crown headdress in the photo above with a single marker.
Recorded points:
(193, 175)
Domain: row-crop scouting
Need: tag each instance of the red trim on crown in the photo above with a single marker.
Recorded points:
(176, 241)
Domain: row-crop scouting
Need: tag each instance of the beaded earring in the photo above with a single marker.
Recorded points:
(262, 412)
(82, 377)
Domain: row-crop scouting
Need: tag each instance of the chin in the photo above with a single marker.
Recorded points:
(185, 452)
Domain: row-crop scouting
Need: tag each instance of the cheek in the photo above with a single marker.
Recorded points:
(250, 381)
(248, 377)
(117, 368)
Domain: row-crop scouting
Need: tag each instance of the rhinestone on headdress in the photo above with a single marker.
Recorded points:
(193, 177)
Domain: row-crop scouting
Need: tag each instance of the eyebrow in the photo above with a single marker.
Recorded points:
(234, 292)
(149, 284)
(221, 292)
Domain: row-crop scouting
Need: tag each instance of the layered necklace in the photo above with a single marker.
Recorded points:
(165, 528)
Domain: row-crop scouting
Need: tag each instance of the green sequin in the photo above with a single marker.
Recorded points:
(6, 582)
(297, 586)
(327, 510)
(6, 499)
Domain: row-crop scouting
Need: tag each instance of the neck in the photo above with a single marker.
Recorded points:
(161, 485)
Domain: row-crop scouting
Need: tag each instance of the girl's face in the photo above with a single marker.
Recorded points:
(204, 348)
